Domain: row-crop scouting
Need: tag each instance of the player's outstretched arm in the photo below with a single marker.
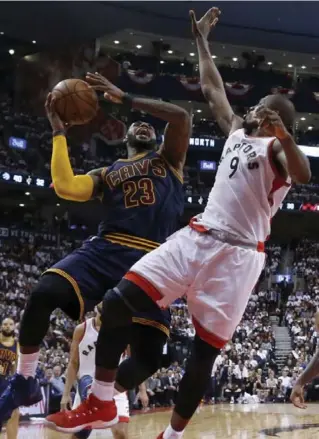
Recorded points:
(73, 367)
(211, 82)
(178, 129)
(66, 184)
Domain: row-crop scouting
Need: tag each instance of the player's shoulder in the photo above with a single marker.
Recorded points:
(176, 172)
(79, 331)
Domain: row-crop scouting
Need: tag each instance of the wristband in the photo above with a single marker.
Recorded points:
(127, 101)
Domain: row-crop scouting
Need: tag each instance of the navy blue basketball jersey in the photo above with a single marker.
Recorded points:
(8, 357)
(143, 199)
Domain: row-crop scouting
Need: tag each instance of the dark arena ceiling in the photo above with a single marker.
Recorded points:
(273, 24)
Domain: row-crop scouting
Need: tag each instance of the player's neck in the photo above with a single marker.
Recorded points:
(7, 340)
(132, 152)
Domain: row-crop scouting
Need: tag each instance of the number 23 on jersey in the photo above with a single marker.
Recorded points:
(138, 193)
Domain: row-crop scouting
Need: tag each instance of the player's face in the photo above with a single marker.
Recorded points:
(251, 121)
(7, 327)
(141, 135)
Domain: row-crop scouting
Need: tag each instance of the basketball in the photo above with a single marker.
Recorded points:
(76, 103)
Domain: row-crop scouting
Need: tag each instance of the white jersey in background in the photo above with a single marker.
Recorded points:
(87, 349)
(248, 190)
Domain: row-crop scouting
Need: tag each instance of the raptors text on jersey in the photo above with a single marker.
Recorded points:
(248, 190)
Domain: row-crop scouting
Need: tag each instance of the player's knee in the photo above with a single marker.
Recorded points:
(41, 293)
(203, 352)
(150, 364)
(115, 311)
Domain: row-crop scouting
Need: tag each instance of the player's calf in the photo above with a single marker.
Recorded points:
(193, 384)
(119, 306)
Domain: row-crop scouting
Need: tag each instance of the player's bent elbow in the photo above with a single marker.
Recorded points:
(67, 194)
(303, 177)
(79, 188)
(184, 117)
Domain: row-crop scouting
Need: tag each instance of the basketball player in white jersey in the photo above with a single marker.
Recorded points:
(81, 367)
(216, 260)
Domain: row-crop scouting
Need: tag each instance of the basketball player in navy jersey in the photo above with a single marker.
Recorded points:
(8, 363)
(143, 199)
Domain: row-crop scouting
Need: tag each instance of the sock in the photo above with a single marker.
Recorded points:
(27, 364)
(102, 390)
(169, 433)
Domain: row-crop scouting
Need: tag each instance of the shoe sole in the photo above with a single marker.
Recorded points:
(96, 425)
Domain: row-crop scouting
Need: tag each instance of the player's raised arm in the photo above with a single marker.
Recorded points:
(178, 129)
(73, 367)
(66, 184)
(211, 82)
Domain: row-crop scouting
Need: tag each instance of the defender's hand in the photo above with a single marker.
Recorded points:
(143, 397)
(111, 92)
(272, 123)
(206, 23)
(54, 119)
(66, 403)
(297, 397)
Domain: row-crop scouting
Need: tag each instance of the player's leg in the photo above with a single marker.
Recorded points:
(146, 343)
(12, 426)
(192, 386)
(166, 268)
(217, 302)
(51, 292)
(161, 276)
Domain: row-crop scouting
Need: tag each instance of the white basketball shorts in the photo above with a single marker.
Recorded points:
(217, 279)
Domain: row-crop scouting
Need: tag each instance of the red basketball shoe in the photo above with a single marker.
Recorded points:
(91, 413)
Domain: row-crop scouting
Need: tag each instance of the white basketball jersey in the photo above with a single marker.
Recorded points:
(87, 350)
(248, 190)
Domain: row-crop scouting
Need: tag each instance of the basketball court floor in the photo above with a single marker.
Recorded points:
(265, 421)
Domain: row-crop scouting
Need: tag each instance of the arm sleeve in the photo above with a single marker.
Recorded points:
(66, 184)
